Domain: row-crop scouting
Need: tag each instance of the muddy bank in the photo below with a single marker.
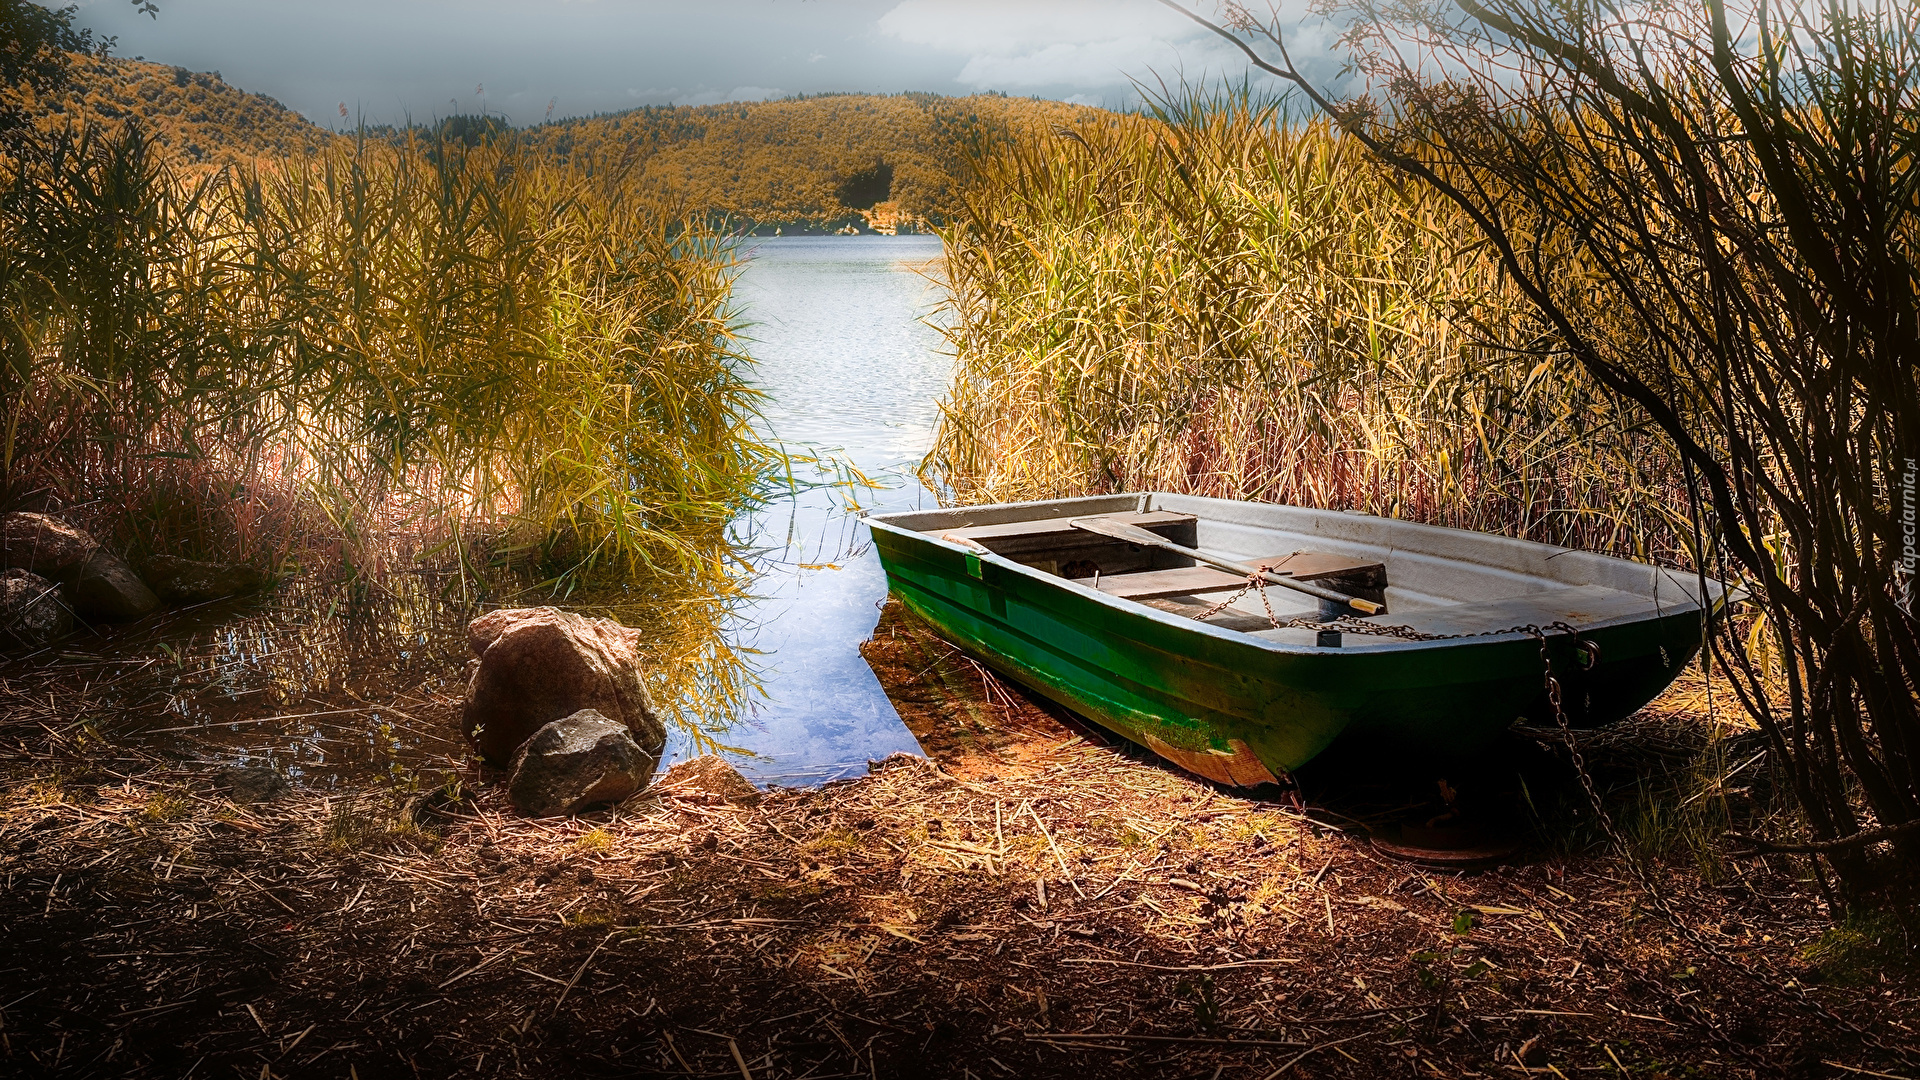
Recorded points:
(1032, 902)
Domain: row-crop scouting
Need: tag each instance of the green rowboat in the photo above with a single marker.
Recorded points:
(1135, 638)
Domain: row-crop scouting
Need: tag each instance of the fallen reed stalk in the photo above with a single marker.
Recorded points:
(916, 921)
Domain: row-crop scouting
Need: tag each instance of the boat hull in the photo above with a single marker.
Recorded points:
(1243, 711)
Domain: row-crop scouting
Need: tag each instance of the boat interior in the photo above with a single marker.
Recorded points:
(1435, 581)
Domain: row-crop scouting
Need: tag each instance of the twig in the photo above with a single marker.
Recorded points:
(1195, 1039)
(1859, 839)
(581, 970)
(1297, 1058)
(475, 968)
(1035, 815)
(734, 1048)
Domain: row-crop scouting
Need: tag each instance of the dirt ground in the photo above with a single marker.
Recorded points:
(1031, 900)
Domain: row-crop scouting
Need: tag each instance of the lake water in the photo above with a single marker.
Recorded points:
(852, 371)
(336, 684)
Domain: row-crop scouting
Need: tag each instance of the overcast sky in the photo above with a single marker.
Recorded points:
(390, 59)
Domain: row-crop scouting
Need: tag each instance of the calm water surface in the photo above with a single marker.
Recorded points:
(854, 372)
(338, 684)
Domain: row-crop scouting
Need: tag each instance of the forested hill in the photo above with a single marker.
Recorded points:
(830, 161)
(827, 162)
(196, 116)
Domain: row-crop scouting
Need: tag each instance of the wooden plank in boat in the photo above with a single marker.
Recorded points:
(1055, 527)
(1316, 566)
(1152, 584)
(1579, 605)
(1226, 620)
(1057, 542)
(1187, 580)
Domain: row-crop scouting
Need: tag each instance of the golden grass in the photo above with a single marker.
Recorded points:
(383, 355)
(420, 339)
(1215, 302)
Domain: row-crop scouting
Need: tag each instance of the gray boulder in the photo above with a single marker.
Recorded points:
(32, 611)
(578, 762)
(105, 589)
(540, 664)
(251, 783)
(185, 581)
(45, 545)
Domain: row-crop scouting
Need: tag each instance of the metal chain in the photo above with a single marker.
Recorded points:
(1350, 625)
(1347, 624)
(1641, 874)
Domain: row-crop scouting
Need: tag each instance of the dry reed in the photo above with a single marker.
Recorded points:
(418, 339)
(1212, 300)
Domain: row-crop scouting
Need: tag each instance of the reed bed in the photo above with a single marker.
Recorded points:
(417, 338)
(388, 357)
(1214, 300)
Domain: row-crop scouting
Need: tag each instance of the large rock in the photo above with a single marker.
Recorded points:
(184, 581)
(32, 611)
(100, 586)
(578, 762)
(540, 664)
(105, 589)
(45, 545)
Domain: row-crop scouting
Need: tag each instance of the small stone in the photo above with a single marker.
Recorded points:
(538, 665)
(45, 545)
(185, 581)
(578, 762)
(32, 610)
(711, 774)
(105, 589)
(251, 783)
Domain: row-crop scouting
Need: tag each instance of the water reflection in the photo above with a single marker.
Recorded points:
(331, 684)
(851, 371)
(339, 683)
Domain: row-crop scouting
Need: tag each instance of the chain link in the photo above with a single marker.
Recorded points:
(1642, 876)
(1348, 624)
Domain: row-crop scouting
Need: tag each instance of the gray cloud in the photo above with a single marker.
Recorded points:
(391, 59)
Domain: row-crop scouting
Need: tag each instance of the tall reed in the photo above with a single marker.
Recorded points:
(1715, 213)
(1210, 299)
(388, 350)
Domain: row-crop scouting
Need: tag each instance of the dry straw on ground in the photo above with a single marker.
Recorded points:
(1041, 905)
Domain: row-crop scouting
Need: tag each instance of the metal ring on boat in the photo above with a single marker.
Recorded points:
(1587, 654)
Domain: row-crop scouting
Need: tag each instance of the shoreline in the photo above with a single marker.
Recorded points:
(1029, 901)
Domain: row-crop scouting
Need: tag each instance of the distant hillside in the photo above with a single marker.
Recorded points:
(826, 162)
(195, 116)
(831, 162)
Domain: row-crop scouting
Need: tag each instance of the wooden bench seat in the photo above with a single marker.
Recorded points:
(1016, 538)
(1577, 605)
